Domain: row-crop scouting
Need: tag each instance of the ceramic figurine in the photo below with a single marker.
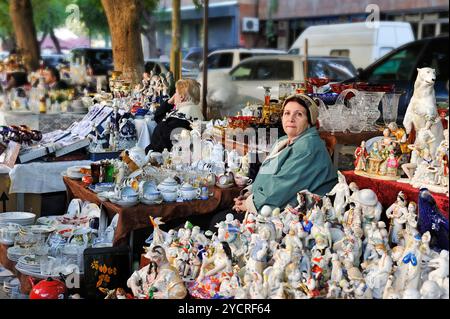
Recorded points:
(342, 192)
(422, 107)
(411, 220)
(432, 220)
(440, 264)
(375, 159)
(400, 135)
(392, 164)
(259, 250)
(157, 280)
(370, 206)
(408, 272)
(361, 157)
(378, 275)
(213, 271)
(430, 290)
(386, 141)
(397, 213)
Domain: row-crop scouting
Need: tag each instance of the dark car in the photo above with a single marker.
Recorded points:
(399, 67)
(54, 60)
(100, 59)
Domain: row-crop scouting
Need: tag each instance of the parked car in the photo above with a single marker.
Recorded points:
(100, 59)
(224, 60)
(188, 69)
(251, 75)
(361, 44)
(400, 68)
(195, 54)
(54, 60)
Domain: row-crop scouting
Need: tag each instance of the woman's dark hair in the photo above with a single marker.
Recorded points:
(302, 103)
(227, 250)
(54, 72)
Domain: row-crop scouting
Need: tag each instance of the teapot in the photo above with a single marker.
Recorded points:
(188, 192)
(169, 184)
(48, 289)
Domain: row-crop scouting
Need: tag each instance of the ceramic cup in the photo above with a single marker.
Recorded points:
(169, 196)
(242, 180)
(189, 194)
(154, 196)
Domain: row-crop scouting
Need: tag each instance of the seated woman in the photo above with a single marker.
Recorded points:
(186, 100)
(297, 162)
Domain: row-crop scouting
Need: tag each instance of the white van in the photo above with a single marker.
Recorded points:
(222, 61)
(363, 45)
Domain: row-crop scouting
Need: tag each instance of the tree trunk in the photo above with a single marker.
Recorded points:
(123, 20)
(175, 52)
(21, 14)
(55, 41)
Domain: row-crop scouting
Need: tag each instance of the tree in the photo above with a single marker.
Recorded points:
(21, 13)
(148, 25)
(6, 29)
(93, 16)
(123, 20)
(49, 15)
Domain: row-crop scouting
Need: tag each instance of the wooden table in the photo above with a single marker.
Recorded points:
(137, 217)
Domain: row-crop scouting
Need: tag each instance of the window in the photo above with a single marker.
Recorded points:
(335, 70)
(274, 70)
(220, 61)
(243, 71)
(294, 51)
(398, 66)
(244, 56)
(344, 53)
(428, 30)
(436, 57)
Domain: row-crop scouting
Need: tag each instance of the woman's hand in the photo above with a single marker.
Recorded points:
(240, 205)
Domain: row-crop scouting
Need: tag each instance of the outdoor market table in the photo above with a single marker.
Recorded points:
(387, 190)
(137, 217)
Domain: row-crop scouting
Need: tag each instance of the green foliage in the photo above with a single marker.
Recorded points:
(49, 14)
(5, 20)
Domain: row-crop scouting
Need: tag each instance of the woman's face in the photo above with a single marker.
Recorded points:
(295, 119)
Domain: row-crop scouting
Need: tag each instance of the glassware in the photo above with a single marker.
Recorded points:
(369, 106)
(390, 107)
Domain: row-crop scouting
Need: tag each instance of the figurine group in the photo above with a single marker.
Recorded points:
(321, 248)
(425, 161)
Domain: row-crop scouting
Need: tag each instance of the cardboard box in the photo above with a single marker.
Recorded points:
(32, 202)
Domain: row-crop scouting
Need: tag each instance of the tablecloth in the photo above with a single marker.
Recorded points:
(40, 177)
(387, 190)
(137, 217)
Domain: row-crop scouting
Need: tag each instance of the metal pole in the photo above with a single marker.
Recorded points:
(205, 59)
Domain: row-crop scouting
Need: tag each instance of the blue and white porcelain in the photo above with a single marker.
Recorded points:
(128, 194)
(169, 184)
(188, 192)
(169, 196)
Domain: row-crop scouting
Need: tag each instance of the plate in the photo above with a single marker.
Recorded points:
(91, 210)
(48, 220)
(105, 196)
(74, 208)
(149, 202)
(123, 203)
(42, 229)
(224, 186)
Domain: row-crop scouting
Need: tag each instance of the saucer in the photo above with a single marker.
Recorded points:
(123, 203)
(224, 186)
(150, 202)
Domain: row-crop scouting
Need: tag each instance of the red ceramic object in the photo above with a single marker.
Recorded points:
(87, 179)
(48, 289)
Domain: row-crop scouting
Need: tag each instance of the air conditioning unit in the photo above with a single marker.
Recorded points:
(250, 24)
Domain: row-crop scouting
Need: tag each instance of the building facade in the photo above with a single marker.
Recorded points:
(277, 23)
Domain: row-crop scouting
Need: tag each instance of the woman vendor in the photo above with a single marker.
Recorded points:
(298, 161)
(178, 112)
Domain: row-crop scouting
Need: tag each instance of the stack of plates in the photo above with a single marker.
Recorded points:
(48, 220)
(20, 218)
(9, 285)
(14, 253)
(41, 230)
(5, 275)
(30, 264)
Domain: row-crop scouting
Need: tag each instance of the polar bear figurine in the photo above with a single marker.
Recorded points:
(422, 107)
